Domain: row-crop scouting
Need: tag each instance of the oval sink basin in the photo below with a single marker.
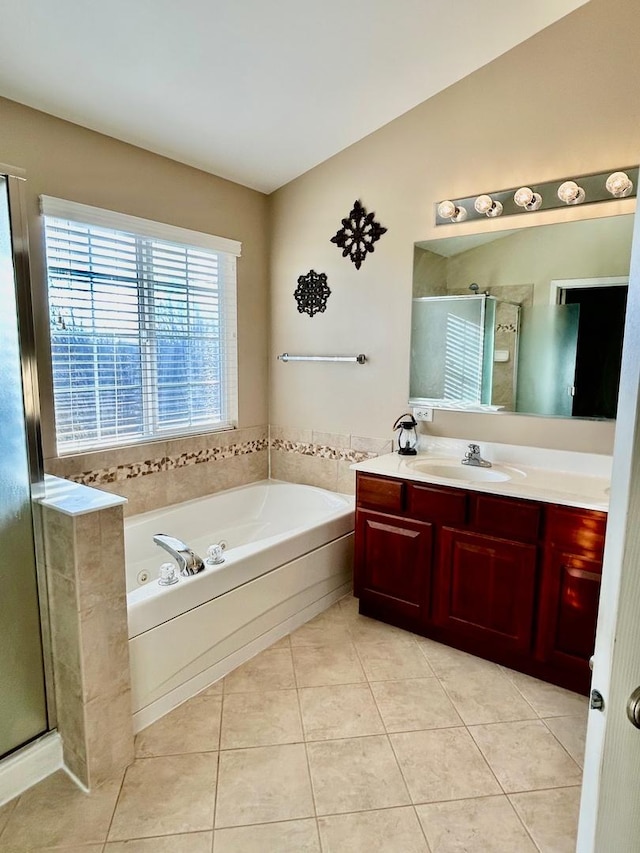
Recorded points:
(467, 473)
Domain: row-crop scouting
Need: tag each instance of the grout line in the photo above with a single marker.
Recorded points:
(115, 806)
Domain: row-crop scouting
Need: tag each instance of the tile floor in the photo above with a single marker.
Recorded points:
(347, 736)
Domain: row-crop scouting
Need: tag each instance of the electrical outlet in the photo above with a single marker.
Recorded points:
(425, 415)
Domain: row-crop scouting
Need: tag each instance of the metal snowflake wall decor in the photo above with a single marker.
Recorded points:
(358, 234)
(312, 293)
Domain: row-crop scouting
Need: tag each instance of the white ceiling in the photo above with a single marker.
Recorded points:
(258, 92)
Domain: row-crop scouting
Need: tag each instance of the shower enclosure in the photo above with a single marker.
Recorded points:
(23, 702)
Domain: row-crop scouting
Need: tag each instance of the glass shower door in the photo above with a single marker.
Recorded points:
(23, 709)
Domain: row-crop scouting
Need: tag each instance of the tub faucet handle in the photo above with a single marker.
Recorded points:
(214, 555)
(168, 575)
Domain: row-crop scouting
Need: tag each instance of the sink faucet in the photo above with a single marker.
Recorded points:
(473, 457)
(188, 561)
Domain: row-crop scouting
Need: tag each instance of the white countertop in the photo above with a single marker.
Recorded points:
(560, 477)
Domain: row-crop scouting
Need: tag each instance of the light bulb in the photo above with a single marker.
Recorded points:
(570, 193)
(525, 197)
(619, 184)
(448, 210)
(485, 204)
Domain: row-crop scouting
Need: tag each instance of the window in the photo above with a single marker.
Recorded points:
(143, 328)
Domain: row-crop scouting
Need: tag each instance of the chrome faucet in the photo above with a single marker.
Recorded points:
(473, 457)
(188, 561)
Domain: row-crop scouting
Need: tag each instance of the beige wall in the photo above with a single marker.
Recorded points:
(563, 103)
(67, 161)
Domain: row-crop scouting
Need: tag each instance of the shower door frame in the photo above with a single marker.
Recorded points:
(16, 180)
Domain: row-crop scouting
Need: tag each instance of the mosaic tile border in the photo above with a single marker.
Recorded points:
(118, 473)
(321, 451)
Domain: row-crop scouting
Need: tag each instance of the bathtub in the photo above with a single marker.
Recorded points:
(288, 555)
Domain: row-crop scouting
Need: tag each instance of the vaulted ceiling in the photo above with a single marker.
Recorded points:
(255, 92)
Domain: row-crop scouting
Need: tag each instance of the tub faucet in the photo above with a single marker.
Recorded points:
(188, 561)
(473, 457)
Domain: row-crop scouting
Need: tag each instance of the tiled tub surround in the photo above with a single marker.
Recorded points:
(348, 735)
(320, 458)
(84, 558)
(166, 472)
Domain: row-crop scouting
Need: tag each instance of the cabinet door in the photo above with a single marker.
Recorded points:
(485, 591)
(393, 567)
(568, 609)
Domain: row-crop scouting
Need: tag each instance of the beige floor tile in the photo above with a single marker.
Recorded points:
(193, 726)
(572, 734)
(414, 704)
(83, 848)
(486, 825)
(366, 630)
(317, 666)
(339, 711)
(326, 628)
(349, 605)
(373, 832)
(263, 785)
(167, 795)
(260, 719)
(292, 836)
(270, 670)
(551, 817)
(355, 774)
(214, 689)
(547, 699)
(282, 643)
(445, 660)
(392, 659)
(486, 697)
(5, 813)
(56, 812)
(525, 756)
(443, 764)
(192, 842)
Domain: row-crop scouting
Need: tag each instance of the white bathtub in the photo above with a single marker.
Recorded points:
(289, 555)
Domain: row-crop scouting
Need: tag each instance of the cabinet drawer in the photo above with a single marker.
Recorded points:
(430, 503)
(509, 519)
(579, 531)
(380, 493)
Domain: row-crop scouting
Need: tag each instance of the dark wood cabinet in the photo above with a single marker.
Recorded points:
(485, 590)
(513, 580)
(393, 561)
(570, 590)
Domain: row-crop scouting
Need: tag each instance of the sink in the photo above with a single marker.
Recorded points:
(453, 471)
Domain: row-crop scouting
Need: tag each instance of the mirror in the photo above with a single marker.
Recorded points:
(544, 335)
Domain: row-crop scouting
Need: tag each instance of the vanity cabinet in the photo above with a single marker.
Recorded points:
(571, 574)
(512, 580)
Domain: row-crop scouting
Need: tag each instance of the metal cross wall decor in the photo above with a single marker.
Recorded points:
(358, 234)
(312, 293)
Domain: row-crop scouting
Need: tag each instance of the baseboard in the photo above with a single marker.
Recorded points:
(29, 765)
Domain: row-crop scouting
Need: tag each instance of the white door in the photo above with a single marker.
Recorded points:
(610, 806)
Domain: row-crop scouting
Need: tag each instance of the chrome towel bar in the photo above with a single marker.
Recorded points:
(360, 359)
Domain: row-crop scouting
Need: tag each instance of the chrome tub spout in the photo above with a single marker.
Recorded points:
(188, 561)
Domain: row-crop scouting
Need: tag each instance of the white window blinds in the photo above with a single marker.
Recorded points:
(143, 327)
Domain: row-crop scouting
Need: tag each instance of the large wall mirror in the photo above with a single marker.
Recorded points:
(527, 321)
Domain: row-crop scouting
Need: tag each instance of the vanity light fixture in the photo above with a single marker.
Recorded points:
(612, 185)
(448, 210)
(619, 184)
(526, 198)
(570, 193)
(485, 204)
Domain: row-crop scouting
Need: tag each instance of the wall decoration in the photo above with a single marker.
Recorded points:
(358, 234)
(312, 293)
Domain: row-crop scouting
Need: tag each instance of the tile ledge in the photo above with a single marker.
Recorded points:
(75, 499)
